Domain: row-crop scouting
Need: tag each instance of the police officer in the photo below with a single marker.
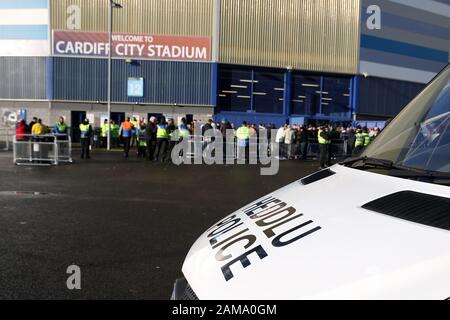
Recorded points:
(162, 140)
(359, 142)
(324, 147)
(104, 134)
(171, 130)
(141, 141)
(183, 129)
(115, 133)
(367, 138)
(183, 133)
(86, 134)
(60, 129)
(243, 141)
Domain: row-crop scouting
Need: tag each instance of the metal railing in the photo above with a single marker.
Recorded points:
(204, 141)
(6, 139)
(338, 149)
(41, 150)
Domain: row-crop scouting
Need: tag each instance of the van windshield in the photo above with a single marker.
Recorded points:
(419, 137)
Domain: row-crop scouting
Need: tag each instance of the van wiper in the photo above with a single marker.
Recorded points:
(368, 162)
(363, 162)
(423, 175)
(399, 171)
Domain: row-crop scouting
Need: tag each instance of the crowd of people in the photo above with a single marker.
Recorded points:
(37, 128)
(153, 139)
(295, 141)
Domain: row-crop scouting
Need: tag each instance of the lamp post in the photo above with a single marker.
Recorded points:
(111, 6)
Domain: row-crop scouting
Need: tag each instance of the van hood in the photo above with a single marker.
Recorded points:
(316, 241)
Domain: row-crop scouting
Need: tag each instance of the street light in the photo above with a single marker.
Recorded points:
(111, 6)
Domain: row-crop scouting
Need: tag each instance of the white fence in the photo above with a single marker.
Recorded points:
(42, 150)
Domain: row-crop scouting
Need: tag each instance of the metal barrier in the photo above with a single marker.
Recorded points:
(204, 141)
(6, 139)
(42, 150)
(338, 149)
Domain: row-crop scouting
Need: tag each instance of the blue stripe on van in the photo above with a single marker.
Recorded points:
(23, 4)
(23, 32)
(402, 48)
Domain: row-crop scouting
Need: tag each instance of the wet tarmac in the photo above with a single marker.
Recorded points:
(127, 223)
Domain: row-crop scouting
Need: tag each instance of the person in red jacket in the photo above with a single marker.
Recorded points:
(21, 130)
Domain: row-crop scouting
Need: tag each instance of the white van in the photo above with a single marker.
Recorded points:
(375, 227)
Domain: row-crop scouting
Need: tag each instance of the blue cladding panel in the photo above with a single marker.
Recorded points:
(385, 97)
(79, 79)
(214, 83)
(412, 35)
(23, 78)
(165, 82)
(406, 49)
(416, 26)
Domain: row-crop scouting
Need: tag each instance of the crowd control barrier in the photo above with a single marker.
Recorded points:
(230, 148)
(338, 149)
(42, 150)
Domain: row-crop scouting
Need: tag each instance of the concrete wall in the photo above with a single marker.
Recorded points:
(64, 109)
(50, 112)
(33, 109)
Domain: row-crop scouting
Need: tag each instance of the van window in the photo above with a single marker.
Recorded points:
(419, 137)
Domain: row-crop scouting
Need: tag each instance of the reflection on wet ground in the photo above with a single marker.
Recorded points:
(127, 223)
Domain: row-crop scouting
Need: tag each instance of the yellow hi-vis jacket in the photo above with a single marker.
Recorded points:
(322, 140)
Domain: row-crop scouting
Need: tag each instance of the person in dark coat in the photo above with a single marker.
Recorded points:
(150, 136)
(303, 139)
(32, 123)
(351, 141)
(171, 128)
(224, 126)
(207, 126)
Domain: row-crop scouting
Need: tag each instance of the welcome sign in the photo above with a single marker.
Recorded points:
(157, 47)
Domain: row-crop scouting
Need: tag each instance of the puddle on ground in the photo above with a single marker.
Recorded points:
(26, 193)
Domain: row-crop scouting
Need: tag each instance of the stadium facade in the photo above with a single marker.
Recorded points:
(265, 61)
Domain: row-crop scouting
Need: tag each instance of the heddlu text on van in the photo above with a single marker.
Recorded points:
(279, 223)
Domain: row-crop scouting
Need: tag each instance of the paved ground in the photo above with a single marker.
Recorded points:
(127, 223)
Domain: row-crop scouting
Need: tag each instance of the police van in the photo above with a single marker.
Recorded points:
(372, 227)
